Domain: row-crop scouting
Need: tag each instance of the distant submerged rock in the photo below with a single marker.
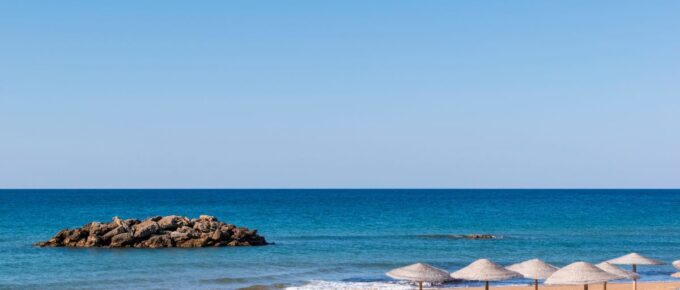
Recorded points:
(156, 232)
(480, 237)
(460, 237)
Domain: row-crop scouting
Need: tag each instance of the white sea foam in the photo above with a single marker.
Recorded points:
(334, 285)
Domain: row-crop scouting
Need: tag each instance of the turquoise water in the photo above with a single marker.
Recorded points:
(332, 235)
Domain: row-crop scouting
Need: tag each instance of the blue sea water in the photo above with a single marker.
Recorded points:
(340, 236)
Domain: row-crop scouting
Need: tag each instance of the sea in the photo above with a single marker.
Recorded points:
(334, 238)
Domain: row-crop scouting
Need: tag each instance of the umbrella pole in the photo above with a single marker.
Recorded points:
(634, 280)
(605, 285)
(486, 285)
(536, 284)
(421, 285)
(585, 287)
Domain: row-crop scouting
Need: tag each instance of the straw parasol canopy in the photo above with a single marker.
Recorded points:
(634, 259)
(579, 273)
(484, 270)
(676, 264)
(419, 272)
(623, 274)
(534, 269)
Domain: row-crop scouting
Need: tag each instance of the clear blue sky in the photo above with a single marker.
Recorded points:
(339, 94)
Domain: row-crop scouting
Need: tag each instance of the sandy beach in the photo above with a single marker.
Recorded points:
(610, 286)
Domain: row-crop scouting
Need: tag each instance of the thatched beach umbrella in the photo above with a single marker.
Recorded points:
(676, 264)
(419, 272)
(579, 273)
(623, 274)
(485, 270)
(533, 269)
(634, 259)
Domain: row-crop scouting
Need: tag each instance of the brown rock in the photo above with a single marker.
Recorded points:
(97, 229)
(121, 240)
(145, 229)
(131, 222)
(216, 236)
(170, 222)
(159, 241)
(74, 236)
(201, 242)
(178, 237)
(185, 229)
(202, 226)
(156, 232)
(480, 237)
(61, 235)
(81, 243)
(93, 241)
(107, 237)
(116, 220)
(207, 218)
(156, 218)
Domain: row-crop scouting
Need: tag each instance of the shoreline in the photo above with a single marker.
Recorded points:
(336, 285)
(649, 285)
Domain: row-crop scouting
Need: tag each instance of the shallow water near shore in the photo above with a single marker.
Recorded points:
(333, 236)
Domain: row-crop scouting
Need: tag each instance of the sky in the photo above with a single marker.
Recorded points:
(339, 94)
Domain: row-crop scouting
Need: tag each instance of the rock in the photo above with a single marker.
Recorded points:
(207, 218)
(61, 235)
(216, 236)
(202, 226)
(178, 237)
(97, 229)
(43, 244)
(159, 241)
(118, 230)
(121, 240)
(80, 243)
(156, 232)
(170, 222)
(240, 233)
(126, 224)
(185, 229)
(131, 222)
(93, 241)
(74, 236)
(145, 229)
(87, 226)
(480, 237)
(215, 226)
(156, 218)
(116, 220)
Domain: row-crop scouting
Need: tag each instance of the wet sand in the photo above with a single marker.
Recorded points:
(610, 286)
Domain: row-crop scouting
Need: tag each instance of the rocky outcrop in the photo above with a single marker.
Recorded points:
(460, 237)
(480, 237)
(156, 232)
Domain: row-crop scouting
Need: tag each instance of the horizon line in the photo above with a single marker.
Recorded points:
(344, 188)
